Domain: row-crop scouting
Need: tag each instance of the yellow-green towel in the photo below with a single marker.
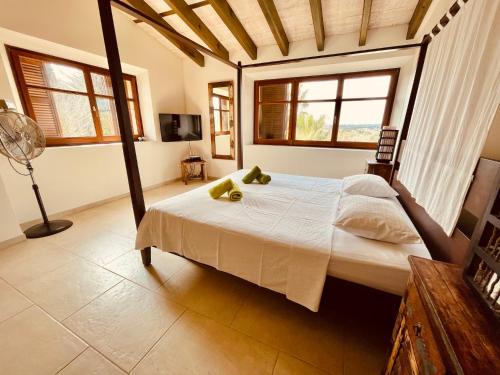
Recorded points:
(263, 178)
(252, 175)
(218, 190)
(235, 194)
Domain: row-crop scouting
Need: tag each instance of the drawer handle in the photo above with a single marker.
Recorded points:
(417, 328)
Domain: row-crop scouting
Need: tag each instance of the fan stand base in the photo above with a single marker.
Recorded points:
(47, 229)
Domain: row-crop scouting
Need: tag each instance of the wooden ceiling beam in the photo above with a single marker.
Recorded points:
(234, 25)
(417, 17)
(274, 22)
(319, 26)
(189, 51)
(167, 13)
(191, 19)
(365, 20)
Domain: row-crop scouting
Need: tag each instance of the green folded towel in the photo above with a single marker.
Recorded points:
(218, 190)
(229, 187)
(263, 178)
(235, 194)
(252, 175)
(256, 174)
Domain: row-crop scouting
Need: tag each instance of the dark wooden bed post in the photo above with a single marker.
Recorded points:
(411, 102)
(239, 70)
(115, 70)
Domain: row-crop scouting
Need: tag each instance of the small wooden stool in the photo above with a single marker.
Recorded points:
(186, 174)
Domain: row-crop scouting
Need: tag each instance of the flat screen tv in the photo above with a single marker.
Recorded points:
(175, 127)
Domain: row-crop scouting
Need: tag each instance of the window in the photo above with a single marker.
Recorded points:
(342, 110)
(72, 102)
(221, 112)
(221, 106)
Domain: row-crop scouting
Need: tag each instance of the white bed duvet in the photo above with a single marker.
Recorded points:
(280, 236)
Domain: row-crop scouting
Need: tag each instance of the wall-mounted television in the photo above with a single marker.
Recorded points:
(176, 127)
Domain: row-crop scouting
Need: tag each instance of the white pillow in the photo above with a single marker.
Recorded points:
(375, 218)
(368, 184)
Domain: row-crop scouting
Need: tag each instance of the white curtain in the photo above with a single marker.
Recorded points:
(455, 105)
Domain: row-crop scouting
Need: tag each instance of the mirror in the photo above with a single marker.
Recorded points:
(221, 119)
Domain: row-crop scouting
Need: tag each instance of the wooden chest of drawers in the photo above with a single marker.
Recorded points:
(442, 328)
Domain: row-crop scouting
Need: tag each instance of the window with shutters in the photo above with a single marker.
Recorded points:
(72, 102)
(342, 110)
(221, 110)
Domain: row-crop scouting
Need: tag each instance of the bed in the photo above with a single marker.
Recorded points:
(280, 236)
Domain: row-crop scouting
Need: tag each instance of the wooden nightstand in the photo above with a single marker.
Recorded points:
(380, 169)
(187, 168)
(442, 327)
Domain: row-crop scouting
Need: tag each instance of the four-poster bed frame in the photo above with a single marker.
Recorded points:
(113, 57)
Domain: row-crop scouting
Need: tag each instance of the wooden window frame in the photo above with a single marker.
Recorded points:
(15, 53)
(230, 110)
(220, 110)
(333, 142)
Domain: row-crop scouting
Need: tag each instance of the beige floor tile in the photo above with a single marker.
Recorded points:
(30, 259)
(125, 322)
(102, 214)
(124, 227)
(79, 231)
(198, 345)
(11, 301)
(33, 343)
(69, 287)
(91, 362)
(163, 266)
(167, 191)
(287, 365)
(102, 248)
(207, 291)
(316, 338)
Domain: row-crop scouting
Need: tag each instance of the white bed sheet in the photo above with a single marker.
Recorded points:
(280, 236)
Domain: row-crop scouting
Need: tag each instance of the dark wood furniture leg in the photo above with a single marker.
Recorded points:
(204, 172)
(146, 256)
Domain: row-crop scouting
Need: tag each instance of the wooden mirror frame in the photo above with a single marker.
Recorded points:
(211, 86)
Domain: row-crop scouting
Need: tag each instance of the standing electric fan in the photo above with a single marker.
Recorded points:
(22, 140)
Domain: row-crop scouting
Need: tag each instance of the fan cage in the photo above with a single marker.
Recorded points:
(21, 139)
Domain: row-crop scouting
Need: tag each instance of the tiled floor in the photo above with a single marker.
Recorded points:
(80, 302)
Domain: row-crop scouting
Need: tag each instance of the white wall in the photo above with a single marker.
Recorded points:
(314, 161)
(8, 223)
(73, 176)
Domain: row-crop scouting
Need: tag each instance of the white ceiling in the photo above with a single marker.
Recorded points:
(339, 16)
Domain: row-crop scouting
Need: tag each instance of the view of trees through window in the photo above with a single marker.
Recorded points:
(339, 111)
(73, 103)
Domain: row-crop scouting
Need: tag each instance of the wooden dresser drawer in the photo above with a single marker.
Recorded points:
(421, 335)
(442, 327)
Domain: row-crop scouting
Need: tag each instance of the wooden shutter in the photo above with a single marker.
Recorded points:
(43, 106)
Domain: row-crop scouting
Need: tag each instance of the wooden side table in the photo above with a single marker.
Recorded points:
(186, 170)
(380, 169)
